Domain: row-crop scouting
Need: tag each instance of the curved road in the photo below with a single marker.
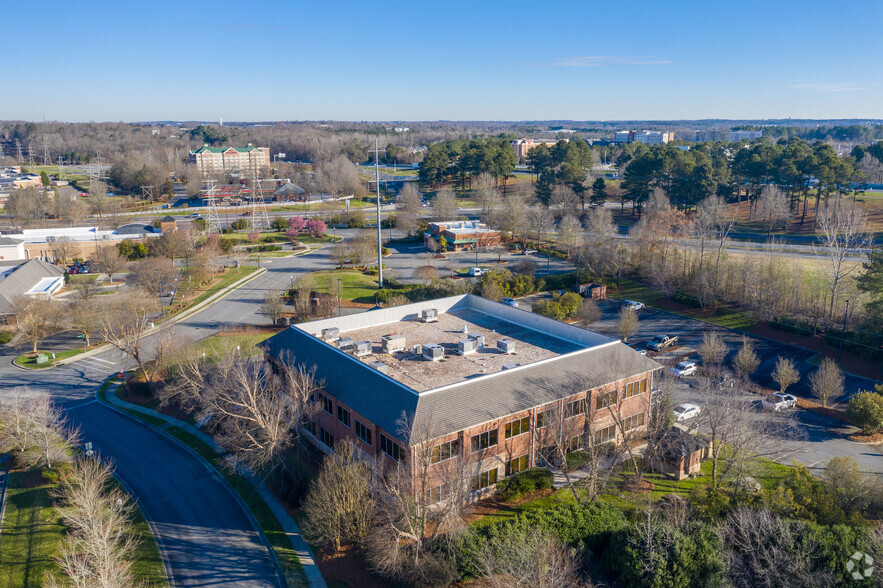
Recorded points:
(207, 538)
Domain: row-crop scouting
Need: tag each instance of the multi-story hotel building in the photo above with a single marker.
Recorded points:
(248, 159)
(478, 381)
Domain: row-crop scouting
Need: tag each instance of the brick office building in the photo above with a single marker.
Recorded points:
(248, 159)
(463, 235)
(475, 380)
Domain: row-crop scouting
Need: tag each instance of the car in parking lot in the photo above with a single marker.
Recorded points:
(686, 411)
(475, 272)
(685, 368)
(778, 401)
(509, 302)
(530, 251)
(661, 342)
(639, 349)
(633, 305)
(725, 380)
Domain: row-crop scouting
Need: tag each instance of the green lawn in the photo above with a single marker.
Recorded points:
(32, 534)
(29, 360)
(230, 276)
(277, 537)
(244, 341)
(357, 286)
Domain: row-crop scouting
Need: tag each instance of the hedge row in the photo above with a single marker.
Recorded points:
(525, 482)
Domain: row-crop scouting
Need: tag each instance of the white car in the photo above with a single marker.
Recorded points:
(475, 272)
(194, 215)
(778, 401)
(509, 302)
(685, 368)
(686, 411)
(530, 251)
(633, 305)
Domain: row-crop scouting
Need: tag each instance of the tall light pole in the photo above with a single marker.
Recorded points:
(377, 187)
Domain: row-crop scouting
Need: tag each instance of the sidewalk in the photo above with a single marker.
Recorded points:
(304, 553)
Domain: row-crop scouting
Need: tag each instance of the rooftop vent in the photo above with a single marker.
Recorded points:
(479, 339)
(466, 346)
(506, 346)
(379, 366)
(392, 343)
(418, 349)
(510, 366)
(362, 348)
(345, 343)
(330, 334)
(429, 315)
(433, 352)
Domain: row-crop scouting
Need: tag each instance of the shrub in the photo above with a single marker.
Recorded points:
(5, 337)
(865, 410)
(239, 224)
(514, 487)
(279, 224)
(51, 475)
(263, 248)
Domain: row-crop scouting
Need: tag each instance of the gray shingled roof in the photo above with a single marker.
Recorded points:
(679, 443)
(384, 400)
(23, 279)
(9, 241)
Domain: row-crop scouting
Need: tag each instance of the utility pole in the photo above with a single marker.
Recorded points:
(843, 332)
(379, 244)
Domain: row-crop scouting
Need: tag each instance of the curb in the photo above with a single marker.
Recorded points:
(171, 421)
(187, 313)
(159, 542)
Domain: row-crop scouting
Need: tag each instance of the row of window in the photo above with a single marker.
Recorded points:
(391, 448)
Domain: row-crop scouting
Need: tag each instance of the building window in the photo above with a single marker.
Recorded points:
(363, 432)
(633, 422)
(574, 443)
(517, 427)
(518, 464)
(391, 448)
(311, 427)
(572, 409)
(326, 437)
(326, 403)
(484, 480)
(441, 492)
(484, 440)
(606, 434)
(445, 451)
(543, 418)
(635, 388)
(605, 399)
(343, 415)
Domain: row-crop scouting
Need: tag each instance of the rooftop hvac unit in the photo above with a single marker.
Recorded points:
(362, 348)
(392, 343)
(479, 340)
(510, 366)
(379, 366)
(429, 315)
(506, 346)
(418, 349)
(466, 346)
(330, 334)
(433, 352)
(345, 343)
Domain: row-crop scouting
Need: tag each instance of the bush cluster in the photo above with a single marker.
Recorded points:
(561, 307)
(514, 487)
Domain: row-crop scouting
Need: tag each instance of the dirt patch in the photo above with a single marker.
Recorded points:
(834, 413)
(494, 505)
(874, 439)
(34, 479)
(642, 487)
(345, 566)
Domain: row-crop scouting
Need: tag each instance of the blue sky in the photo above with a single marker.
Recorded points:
(478, 60)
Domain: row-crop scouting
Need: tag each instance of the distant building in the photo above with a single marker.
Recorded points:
(522, 146)
(84, 241)
(714, 135)
(652, 137)
(12, 178)
(623, 137)
(34, 278)
(248, 159)
(461, 235)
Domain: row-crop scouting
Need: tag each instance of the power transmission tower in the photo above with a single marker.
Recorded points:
(259, 218)
(147, 193)
(46, 159)
(212, 223)
(31, 154)
(19, 150)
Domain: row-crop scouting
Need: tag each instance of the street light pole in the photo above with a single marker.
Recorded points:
(377, 187)
(843, 332)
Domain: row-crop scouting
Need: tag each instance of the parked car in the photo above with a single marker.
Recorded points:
(686, 411)
(530, 251)
(778, 401)
(662, 342)
(633, 305)
(509, 302)
(194, 215)
(685, 368)
(475, 272)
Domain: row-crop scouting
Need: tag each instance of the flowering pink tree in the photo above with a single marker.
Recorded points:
(297, 224)
(292, 235)
(316, 227)
(253, 237)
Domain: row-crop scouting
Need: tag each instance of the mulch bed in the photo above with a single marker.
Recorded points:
(840, 415)
(34, 479)
(494, 504)
(635, 487)
(347, 567)
(867, 439)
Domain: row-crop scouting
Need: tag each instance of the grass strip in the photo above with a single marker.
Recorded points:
(29, 360)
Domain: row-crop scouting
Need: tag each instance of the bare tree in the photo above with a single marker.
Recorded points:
(397, 300)
(408, 209)
(84, 318)
(568, 235)
(842, 231)
(525, 266)
(527, 558)
(745, 361)
(109, 260)
(588, 313)
(36, 318)
(712, 350)
(774, 208)
(273, 305)
(156, 275)
(827, 381)
(340, 504)
(426, 274)
(302, 291)
(62, 248)
(444, 205)
(785, 373)
(627, 324)
(100, 549)
(540, 219)
(124, 325)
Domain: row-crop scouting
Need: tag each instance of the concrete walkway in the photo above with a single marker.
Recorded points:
(300, 546)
